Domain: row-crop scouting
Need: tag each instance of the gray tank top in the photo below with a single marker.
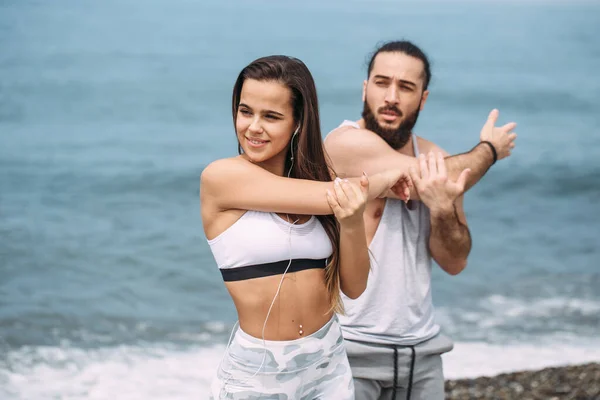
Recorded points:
(396, 308)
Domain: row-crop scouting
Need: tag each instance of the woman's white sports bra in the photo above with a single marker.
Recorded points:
(263, 244)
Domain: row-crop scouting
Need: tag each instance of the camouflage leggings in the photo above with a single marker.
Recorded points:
(309, 368)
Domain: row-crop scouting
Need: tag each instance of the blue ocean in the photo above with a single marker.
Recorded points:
(109, 111)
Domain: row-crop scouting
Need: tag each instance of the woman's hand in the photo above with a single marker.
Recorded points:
(348, 200)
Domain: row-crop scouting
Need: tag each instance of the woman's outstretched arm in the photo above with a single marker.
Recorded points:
(235, 183)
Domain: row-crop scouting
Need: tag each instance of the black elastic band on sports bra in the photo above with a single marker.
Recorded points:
(268, 269)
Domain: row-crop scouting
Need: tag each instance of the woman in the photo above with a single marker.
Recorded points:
(283, 256)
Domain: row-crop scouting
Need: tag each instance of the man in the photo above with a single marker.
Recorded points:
(393, 342)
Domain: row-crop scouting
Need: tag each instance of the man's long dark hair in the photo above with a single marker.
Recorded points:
(405, 47)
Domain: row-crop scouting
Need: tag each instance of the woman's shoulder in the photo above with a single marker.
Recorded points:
(220, 169)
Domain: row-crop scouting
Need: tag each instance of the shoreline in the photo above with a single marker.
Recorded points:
(580, 381)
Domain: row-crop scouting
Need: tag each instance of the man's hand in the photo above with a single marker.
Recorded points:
(434, 187)
(502, 138)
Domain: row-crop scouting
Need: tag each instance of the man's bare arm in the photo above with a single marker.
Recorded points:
(449, 240)
(479, 160)
(500, 142)
(353, 151)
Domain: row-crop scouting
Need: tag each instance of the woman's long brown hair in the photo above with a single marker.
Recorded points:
(309, 156)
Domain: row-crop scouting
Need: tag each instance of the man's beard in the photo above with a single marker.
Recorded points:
(397, 137)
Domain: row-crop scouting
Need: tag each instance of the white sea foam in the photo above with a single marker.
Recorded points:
(473, 359)
(170, 373)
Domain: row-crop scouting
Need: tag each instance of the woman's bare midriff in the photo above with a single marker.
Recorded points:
(301, 308)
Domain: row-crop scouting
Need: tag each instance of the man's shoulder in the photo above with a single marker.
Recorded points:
(345, 126)
(350, 135)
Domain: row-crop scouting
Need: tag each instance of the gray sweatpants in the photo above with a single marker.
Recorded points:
(373, 369)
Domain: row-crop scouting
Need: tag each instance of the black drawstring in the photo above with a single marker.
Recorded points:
(410, 375)
(412, 369)
(395, 372)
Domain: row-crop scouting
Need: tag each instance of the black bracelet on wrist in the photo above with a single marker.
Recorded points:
(494, 153)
